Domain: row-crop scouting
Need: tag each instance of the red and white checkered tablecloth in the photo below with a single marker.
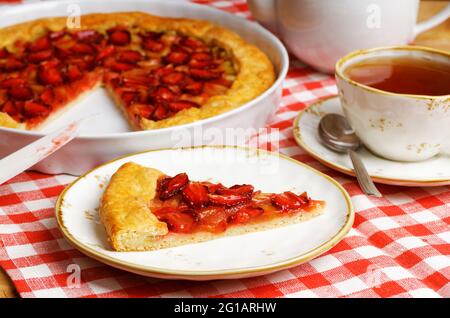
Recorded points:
(399, 245)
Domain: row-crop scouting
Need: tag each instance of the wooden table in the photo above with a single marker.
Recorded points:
(438, 37)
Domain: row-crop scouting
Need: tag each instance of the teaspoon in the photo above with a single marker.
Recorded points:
(336, 134)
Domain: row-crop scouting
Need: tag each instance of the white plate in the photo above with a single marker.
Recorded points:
(230, 257)
(109, 135)
(431, 172)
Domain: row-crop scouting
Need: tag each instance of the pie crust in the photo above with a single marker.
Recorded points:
(255, 72)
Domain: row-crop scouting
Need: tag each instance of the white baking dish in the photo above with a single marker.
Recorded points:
(107, 135)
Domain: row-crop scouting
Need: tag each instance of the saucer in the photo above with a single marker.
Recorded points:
(431, 172)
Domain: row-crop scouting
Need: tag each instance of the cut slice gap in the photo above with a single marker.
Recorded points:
(96, 101)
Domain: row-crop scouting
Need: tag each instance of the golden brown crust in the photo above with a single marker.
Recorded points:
(131, 226)
(255, 71)
(8, 122)
(124, 208)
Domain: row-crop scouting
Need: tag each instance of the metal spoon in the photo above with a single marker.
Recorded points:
(336, 134)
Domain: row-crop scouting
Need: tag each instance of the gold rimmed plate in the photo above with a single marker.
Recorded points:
(431, 172)
(228, 257)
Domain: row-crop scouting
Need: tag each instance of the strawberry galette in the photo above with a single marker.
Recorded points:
(159, 71)
(144, 209)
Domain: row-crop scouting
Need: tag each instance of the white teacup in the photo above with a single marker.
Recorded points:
(400, 127)
(319, 32)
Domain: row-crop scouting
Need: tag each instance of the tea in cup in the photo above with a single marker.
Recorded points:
(397, 99)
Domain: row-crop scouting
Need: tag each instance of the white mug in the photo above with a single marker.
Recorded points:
(319, 32)
(401, 127)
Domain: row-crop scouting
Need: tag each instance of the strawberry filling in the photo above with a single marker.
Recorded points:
(154, 75)
(189, 207)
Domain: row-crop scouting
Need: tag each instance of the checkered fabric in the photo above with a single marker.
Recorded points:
(399, 245)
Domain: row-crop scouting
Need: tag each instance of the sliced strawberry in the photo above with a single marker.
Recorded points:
(119, 37)
(201, 56)
(49, 75)
(213, 219)
(173, 186)
(47, 96)
(33, 109)
(82, 49)
(43, 43)
(177, 56)
(129, 98)
(193, 87)
(160, 211)
(22, 93)
(73, 73)
(3, 53)
(228, 199)
(137, 81)
(213, 187)
(84, 63)
(40, 56)
(201, 74)
(62, 53)
(197, 64)
(11, 82)
(13, 64)
(173, 78)
(10, 109)
(245, 214)
(105, 52)
(142, 110)
(120, 67)
(160, 113)
(56, 35)
(195, 194)
(151, 44)
(162, 93)
(244, 189)
(191, 43)
(289, 201)
(182, 104)
(88, 36)
(130, 56)
(179, 222)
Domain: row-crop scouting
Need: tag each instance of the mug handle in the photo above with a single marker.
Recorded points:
(438, 18)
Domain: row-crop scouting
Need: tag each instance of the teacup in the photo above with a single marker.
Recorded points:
(319, 32)
(402, 127)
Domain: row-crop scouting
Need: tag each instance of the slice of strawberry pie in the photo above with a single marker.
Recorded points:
(144, 209)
